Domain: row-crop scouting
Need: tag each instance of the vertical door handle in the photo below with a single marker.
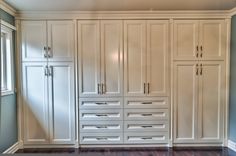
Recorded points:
(50, 71)
(45, 52)
(197, 69)
(49, 52)
(144, 88)
(98, 88)
(46, 71)
(148, 85)
(197, 51)
(103, 88)
(201, 70)
(201, 51)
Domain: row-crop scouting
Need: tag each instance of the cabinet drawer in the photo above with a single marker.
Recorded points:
(101, 126)
(136, 126)
(145, 114)
(155, 137)
(161, 102)
(101, 138)
(108, 114)
(89, 103)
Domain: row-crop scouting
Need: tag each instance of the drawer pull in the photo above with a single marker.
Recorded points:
(102, 138)
(100, 127)
(147, 138)
(101, 103)
(146, 114)
(147, 103)
(146, 126)
(101, 115)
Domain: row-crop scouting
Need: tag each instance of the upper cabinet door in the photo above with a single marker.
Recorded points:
(89, 58)
(34, 40)
(157, 58)
(134, 57)
(112, 57)
(211, 101)
(185, 101)
(185, 39)
(61, 40)
(61, 103)
(35, 105)
(212, 39)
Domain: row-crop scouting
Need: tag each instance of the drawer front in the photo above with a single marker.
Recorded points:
(146, 138)
(90, 103)
(101, 138)
(141, 126)
(146, 114)
(146, 102)
(108, 114)
(101, 126)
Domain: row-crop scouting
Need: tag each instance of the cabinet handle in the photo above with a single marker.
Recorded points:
(146, 126)
(144, 88)
(102, 138)
(45, 52)
(146, 114)
(101, 103)
(100, 127)
(98, 88)
(148, 85)
(103, 88)
(197, 69)
(147, 103)
(201, 70)
(101, 115)
(46, 71)
(49, 52)
(147, 138)
(201, 51)
(50, 71)
(197, 51)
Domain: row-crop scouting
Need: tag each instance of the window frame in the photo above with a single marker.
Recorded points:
(9, 73)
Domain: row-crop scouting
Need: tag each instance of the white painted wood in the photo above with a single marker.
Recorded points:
(185, 101)
(89, 58)
(100, 103)
(186, 34)
(134, 57)
(211, 101)
(213, 39)
(33, 40)
(158, 57)
(61, 103)
(35, 104)
(61, 40)
(112, 57)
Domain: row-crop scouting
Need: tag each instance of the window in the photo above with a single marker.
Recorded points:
(6, 61)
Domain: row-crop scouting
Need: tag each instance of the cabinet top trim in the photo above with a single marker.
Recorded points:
(124, 15)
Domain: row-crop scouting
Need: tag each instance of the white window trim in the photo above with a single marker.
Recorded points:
(9, 29)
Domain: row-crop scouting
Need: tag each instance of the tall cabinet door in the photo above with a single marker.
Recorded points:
(89, 58)
(34, 40)
(211, 101)
(185, 39)
(185, 101)
(112, 57)
(61, 103)
(157, 57)
(35, 104)
(61, 40)
(213, 39)
(134, 57)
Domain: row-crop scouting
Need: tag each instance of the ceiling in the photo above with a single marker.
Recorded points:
(120, 5)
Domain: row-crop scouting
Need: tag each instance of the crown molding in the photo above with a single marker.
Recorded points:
(47, 15)
(232, 12)
(6, 7)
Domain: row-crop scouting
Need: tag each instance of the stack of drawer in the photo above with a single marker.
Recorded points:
(146, 120)
(101, 121)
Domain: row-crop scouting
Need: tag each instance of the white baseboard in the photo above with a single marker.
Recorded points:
(12, 149)
(232, 145)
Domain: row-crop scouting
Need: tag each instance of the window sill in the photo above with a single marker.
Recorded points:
(5, 93)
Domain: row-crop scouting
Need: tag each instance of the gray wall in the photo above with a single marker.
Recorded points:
(232, 106)
(8, 111)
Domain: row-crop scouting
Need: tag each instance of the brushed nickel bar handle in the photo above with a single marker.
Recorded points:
(201, 70)
(100, 115)
(46, 71)
(101, 103)
(146, 126)
(197, 69)
(146, 114)
(148, 103)
(197, 51)
(49, 52)
(201, 51)
(148, 88)
(99, 127)
(45, 52)
(147, 138)
(50, 71)
(103, 88)
(98, 88)
(144, 88)
(102, 138)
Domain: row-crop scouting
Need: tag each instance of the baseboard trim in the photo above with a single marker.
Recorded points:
(12, 149)
(232, 145)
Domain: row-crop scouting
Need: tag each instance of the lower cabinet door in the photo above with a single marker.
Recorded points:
(61, 102)
(35, 105)
(146, 137)
(101, 138)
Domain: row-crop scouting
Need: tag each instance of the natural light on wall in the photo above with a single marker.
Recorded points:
(6, 61)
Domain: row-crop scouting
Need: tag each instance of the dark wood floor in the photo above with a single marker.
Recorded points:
(138, 151)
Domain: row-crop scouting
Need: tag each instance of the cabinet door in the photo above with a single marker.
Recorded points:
(33, 40)
(185, 39)
(89, 58)
(157, 57)
(35, 104)
(61, 103)
(185, 102)
(134, 57)
(210, 111)
(61, 40)
(213, 39)
(112, 57)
